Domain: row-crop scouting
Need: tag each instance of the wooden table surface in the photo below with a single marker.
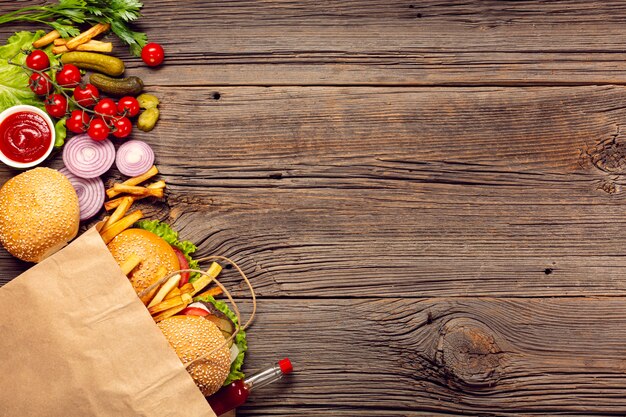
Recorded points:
(427, 195)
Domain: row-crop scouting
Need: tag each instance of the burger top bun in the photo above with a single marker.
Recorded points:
(192, 337)
(39, 214)
(153, 251)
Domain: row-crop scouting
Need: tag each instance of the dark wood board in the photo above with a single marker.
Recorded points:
(427, 195)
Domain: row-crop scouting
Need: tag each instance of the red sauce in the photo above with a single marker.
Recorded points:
(24, 137)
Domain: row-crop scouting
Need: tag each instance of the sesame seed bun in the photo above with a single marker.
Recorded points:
(192, 337)
(153, 251)
(39, 214)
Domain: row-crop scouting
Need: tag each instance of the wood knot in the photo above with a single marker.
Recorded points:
(469, 354)
(609, 155)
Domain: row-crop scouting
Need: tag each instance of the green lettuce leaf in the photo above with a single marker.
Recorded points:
(168, 234)
(61, 132)
(13, 79)
(240, 339)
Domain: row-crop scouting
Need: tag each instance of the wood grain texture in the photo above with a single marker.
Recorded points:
(464, 356)
(384, 42)
(400, 193)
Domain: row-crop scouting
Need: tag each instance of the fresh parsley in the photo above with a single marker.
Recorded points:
(65, 15)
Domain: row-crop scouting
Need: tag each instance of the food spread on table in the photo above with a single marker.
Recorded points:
(64, 91)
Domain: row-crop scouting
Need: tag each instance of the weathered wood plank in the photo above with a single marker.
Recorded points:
(461, 356)
(383, 42)
(399, 193)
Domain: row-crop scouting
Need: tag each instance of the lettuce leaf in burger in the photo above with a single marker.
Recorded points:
(186, 249)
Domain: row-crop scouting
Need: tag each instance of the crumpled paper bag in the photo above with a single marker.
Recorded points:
(75, 341)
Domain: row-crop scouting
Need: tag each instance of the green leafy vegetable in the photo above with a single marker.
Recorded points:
(240, 339)
(14, 88)
(66, 14)
(168, 234)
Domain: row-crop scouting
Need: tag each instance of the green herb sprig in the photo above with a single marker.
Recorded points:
(65, 15)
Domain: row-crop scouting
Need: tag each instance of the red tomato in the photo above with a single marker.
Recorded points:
(194, 311)
(182, 261)
(98, 129)
(128, 106)
(40, 84)
(106, 108)
(56, 105)
(152, 54)
(122, 127)
(86, 96)
(38, 60)
(68, 76)
(77, 122)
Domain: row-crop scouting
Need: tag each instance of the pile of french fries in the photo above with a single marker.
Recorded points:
(163, 299)
(122, 196)
(83, 42)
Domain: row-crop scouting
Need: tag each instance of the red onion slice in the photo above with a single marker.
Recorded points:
(90, 193)
(86, 158)
(134, 158)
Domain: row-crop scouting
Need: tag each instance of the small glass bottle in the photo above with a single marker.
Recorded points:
(236, 393)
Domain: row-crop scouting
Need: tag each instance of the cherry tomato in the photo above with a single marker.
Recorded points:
(152, 54)
(56, 105)
(38, 60)
(77, 122)
(68, 76)
(98, 129)
(106, 108)
(122, 127)
(87, 95)
(41, 84)
(128, 106)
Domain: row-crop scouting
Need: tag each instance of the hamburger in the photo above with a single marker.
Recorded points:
(203, 325)
(39, 214)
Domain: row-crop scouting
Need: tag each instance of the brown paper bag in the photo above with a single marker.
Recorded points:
(76, 341)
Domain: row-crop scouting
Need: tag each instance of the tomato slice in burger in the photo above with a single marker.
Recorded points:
(194, 311)
(184, 276)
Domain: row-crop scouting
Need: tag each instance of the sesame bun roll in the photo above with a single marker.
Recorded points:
(39, 214)
(194, 336)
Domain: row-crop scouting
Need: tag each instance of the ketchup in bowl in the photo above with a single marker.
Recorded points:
(26, 136)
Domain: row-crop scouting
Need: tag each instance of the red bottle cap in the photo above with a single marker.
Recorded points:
(285, 366)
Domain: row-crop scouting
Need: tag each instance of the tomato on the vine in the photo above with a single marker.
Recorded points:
(128, 106)
(68, 76)
(98, 129)
(38, 60)
(56, 105)
(86, 96)
(40, 83)
(77, 122)
(152, 54)
(106, 108)
(122, 127)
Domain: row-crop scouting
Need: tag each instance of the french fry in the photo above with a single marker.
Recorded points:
(215, 291)
(59, 42)
(138, 191)
(158, 186)
(87, 35)
(136, 180)
(91, 46)
(171, 303)
(169, 313)
(187, 288)
(120, 225)
(204, 280)
(119, 212)
(130, 263)
(173, 293)
(46, 39)
(160, 274)
(165, 289)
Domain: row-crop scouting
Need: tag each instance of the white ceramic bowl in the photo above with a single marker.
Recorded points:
(20, 108)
